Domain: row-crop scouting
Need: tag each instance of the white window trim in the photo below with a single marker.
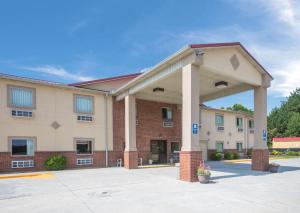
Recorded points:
(239, 142)
(76, 140)
(168, 109)
(10, 139)
(10, 105)
(220, 143)
(75, 105)
(218, 114)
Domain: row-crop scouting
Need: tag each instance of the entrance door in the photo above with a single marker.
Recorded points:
(159, 151)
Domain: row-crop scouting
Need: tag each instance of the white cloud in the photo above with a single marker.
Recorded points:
(59, 72)
(286, 11)
(276, 44)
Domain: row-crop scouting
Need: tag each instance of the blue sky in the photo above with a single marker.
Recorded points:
(70, 41)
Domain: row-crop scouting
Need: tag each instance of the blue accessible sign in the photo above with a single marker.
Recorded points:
(195, 128)
(264, 135)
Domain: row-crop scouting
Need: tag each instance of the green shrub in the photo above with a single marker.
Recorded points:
(228, 156)
(236, 155)
(291, 153)
(56, 162)
(216, 156)
(219, 156)
(299, 153)
(275, 152)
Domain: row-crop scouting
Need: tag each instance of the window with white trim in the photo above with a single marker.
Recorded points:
(167, 113)
(219, 120)
(84, 104)
(219, 146)
(239, 122)
(239, 146)
(84, 146)
(21, 97)
(22, 146)
(251, 124)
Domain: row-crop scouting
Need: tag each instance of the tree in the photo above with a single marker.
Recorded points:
(293, 127)
(284, 121)
(240, 108)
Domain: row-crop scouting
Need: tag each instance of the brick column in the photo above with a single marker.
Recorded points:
(130, 153)
(190, 155)
(260, 152)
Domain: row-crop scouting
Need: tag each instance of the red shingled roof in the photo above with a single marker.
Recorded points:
(286, 139)
(215, 45)
(101, 80)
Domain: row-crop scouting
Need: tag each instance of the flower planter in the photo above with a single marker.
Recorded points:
(203, 178)
(273, 168)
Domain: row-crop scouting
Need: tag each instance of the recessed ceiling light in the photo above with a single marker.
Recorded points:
(158, 89)
(221, 84)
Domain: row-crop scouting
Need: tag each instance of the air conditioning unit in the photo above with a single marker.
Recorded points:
(220, 128)
(240, 129)
(168, 124)
(85, 118)
(84, 161)
(21, 113)
(251, 131)
(22, 164)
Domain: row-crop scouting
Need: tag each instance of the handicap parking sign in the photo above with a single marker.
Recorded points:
(264, 135)
(195, 128)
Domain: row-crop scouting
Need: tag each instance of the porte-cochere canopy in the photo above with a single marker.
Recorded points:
(195, 74)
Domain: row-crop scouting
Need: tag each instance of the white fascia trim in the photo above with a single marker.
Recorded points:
(152, 70)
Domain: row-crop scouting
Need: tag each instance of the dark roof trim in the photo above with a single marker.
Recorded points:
(101, 80)
(230, 44)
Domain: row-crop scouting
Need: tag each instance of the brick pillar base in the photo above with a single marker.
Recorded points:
(260, 159)
(130, 159)
(189, 161)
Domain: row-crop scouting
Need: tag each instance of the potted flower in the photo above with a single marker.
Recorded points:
(273, 167)
(203, 173)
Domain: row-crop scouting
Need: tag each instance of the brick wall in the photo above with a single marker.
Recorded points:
(149, 126)
(40, 157)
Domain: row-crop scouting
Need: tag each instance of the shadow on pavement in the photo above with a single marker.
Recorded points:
(241, 169)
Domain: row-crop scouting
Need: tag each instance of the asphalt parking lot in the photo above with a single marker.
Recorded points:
(234, 188)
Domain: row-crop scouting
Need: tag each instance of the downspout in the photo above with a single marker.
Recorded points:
(246, 134)
(106, 131)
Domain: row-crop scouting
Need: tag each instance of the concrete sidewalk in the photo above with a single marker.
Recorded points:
(234, 188)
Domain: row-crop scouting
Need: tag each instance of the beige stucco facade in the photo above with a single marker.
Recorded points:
(186, 79)
(230, 135)
(55, 104)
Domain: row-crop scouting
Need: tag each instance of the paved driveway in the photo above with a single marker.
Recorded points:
(234, 188)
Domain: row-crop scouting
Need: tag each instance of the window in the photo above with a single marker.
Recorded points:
(239, 122)
(22, 147)
(219, 120)
(251, 124)
(220, 146)
(21, 97)
(239, 146)
(83, 146)
(84, 104)
(167, 113)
